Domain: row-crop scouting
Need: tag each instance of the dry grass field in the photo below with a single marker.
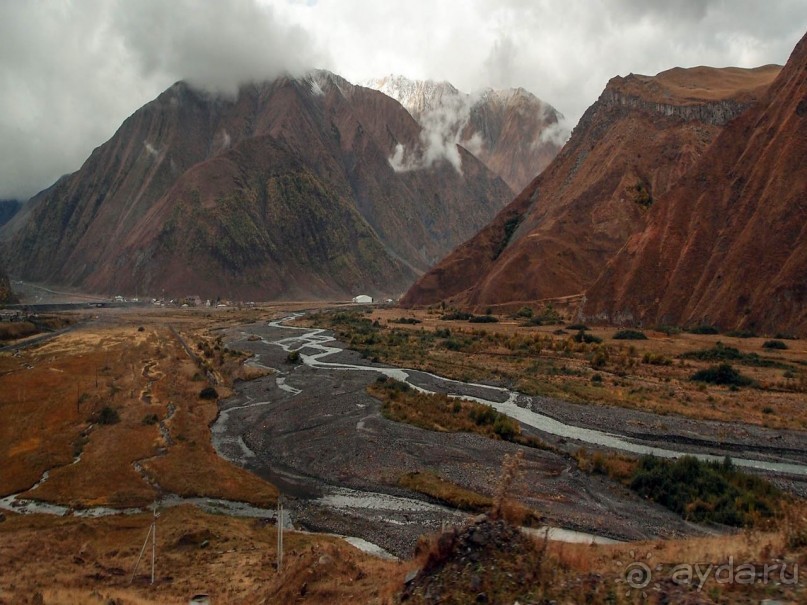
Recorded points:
(70, 561)
(651, 375)
(53, 398)
(53, 403)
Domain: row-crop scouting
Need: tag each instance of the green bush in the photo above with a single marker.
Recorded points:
(774, 344)
(722, 374)
(456, 316)
(208, 393)
(721, 352)
(704, 330)
(108, 415)
(655, 359)
(293, 357)
(583, 336)
(714, 492)
(524, 312)
(405, 320)
(630, 335)
(483, 319)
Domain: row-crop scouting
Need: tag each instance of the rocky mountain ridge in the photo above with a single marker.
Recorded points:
(628, 150)
(728, 244)
(284, 191)
(512, 131)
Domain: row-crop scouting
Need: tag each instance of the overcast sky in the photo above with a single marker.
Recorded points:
(72, 71)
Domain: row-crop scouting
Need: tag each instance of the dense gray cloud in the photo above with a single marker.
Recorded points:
(71, 72)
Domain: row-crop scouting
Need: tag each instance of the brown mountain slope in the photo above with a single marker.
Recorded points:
(629, 148)
(728, 245)
(6, 295)
(284, 191)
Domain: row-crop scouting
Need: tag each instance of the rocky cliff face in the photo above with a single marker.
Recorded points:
(727, 245)
(629, 148)
(284, 191)
(512, 131)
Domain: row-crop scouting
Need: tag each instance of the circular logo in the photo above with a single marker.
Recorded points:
(638, 575)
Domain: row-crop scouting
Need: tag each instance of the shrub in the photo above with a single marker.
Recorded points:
(108, 415)
(774, 344)
(599, 359)
(405, 320)
(549, 315)
(208, 393)
(704, 330)
(583, 336)
(442, 333)
(705, 491)
(293, 357)
(721, 352)
(452, 344)
(669, 330)
(483, 319)
(722, 374)
(630, 335)
(524, 312)
(655, 359)
(456, 316)
(150, 419)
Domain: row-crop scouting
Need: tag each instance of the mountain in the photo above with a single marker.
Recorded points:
(6, 295)
(8, 208)
(629, 148)
(284, 191)
(512, 131)
(728, 244)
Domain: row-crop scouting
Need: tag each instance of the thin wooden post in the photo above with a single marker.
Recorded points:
(154, 542)
(279, 535)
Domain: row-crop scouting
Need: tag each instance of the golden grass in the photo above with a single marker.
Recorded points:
(445, 491)
(539, 362)
(50, 398)
(439, 412)
(70, 560)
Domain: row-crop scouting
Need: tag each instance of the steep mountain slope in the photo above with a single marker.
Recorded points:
(512, 131)
(6, 295)
(628, 149)
(8, 208)
(284, 191)
(728, 244)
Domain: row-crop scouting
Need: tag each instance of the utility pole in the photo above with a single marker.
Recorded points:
(154, 541)
(279, 534)
(152, 533)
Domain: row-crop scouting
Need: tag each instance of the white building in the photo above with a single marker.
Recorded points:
(362, 299)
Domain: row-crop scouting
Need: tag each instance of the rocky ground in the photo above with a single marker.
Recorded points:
(337, 459)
